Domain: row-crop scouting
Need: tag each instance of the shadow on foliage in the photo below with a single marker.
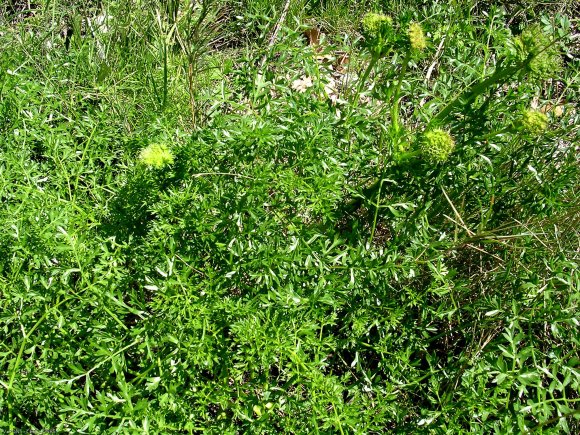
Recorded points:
(129, 211)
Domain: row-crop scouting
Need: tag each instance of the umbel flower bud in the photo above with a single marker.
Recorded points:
(417, 37)
(536, 45)
(377, 30)
(156, 156)
(436, 145)
(533, 122)
(376, 25)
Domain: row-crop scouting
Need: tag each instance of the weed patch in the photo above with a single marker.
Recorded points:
(227, 216)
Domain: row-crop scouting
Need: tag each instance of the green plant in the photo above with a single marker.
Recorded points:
(197, 241)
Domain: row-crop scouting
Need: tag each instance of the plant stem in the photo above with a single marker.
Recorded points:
(508, 129)
(500, 76)
(376, 212)
(367, 72)
(397, 91)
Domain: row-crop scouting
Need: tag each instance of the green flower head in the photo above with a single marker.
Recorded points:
(376, 25)
(156, 156)
(377, 30)
(417, 37)
(436, 145)
(537, 48)
(533, 122)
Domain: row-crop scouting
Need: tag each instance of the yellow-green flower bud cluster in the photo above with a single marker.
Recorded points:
(377, 30)
(376, 25)
(537, 47)
(156, 156)
(533, 122)
(417, 37)
(436, 145)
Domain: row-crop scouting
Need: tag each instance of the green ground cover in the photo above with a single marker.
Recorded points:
(244, 216)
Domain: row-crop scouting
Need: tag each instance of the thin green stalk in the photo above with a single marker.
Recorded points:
(338, 420)
(367, 72)
(397, 92)
(359, 89)
(18, 360)
(500, 76)
(469, 95)
(99, 364)
(378, 203)
(574, 412)
(509, 129)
